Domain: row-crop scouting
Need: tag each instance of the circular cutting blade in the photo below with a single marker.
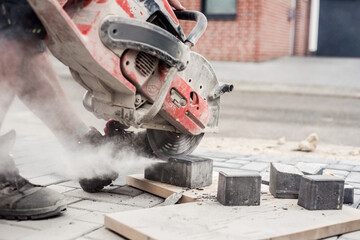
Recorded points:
(169, 144)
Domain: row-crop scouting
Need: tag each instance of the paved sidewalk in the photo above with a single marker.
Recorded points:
(84, 216)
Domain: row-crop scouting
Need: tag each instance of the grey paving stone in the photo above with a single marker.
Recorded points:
(319, 192)
(92, 217)
(256, 166)
(71, 230)
(144, 200)
(350, 236)
(184, 171)
(14, 232)
(238, 161)
(100, 196)
(63, 219)
(48, 180)
(353, 177)
(70, 200)
(128, 191)
(269, 159)
(239, 188)
(61, 189)
(355, 185)
(356, 169)
(102, 234)
(349, 194)
(341, 167)
(227, 165)
(284, 180)
(103, 207)
(72, 184)
(338, 173)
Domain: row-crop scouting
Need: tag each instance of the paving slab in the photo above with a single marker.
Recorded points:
(127, 190)
(14, 232)
(228, 165)
(353, 177)
(100, 206)
(48, 180)
(103, 234)
(99, 196)
(256, 166)
(65, 218)
(61, 189)
(346, 167)
(145, 200)
(92, 217)
(69, 231)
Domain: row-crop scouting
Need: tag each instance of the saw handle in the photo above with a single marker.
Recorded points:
(199, 29)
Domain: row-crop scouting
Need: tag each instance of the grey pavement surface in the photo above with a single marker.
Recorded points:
(303, 75)
(275, 115)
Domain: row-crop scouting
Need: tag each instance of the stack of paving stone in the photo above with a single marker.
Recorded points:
(313, 190)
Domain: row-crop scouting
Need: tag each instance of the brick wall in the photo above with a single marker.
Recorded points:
(260, 32)
(302, 27)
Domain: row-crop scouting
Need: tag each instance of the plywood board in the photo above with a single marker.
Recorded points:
(273, 219)
(165, 190)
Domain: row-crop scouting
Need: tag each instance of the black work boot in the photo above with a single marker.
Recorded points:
(94, 139)
(20, 199)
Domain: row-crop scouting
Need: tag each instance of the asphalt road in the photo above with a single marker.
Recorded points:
(271, 116)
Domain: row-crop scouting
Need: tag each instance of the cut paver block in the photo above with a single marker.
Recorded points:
(239, 188)
(321, 192)
(184, 171)
(284, 180)
(348, 194)
(310, 168)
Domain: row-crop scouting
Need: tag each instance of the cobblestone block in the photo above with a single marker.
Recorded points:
(284, 180)
(185, 171)
(348, 194)
(255, 166)
(319, 192)
(310, 168)
(239, 188)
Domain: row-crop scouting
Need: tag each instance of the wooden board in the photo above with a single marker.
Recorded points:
(165, 190)
(273, 219)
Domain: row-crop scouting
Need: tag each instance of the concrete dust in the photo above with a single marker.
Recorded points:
(90, 162)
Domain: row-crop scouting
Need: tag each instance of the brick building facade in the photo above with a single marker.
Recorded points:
(261, 30)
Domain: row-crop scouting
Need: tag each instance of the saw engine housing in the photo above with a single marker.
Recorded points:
(135, 62)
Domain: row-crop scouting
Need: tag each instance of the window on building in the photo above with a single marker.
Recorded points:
(216, 9)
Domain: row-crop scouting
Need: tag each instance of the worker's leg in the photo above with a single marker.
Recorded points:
(41, 91)
(19, 199)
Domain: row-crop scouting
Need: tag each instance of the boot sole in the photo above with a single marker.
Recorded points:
(33, 214)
